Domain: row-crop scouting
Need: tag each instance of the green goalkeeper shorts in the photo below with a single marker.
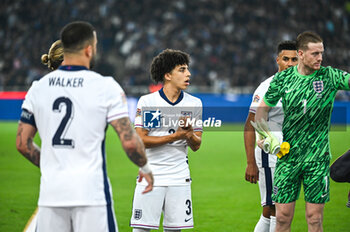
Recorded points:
(289, 177)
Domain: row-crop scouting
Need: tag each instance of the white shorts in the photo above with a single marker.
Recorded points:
(174, 201)
(265, 185)
(77, 219)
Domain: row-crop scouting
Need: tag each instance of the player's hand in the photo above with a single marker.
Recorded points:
(149, 179)
(185, 130)
(252, 173)
(185, 127)
(185, 122)
(260, 143)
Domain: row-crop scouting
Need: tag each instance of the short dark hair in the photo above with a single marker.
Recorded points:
(286, 45)
(307, 37)
(76, 35)
(165, 62)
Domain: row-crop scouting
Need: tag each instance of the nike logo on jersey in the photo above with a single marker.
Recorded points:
(188, 219)
(323, 195)
(288, 91)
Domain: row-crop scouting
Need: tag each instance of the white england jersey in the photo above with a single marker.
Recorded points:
(71, 108)
(275, 121)
(159, 116)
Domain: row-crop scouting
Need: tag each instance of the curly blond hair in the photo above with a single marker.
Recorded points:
(55, 57)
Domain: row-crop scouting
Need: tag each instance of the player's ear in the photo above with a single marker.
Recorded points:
(300, 53)
(167, 77)
(88, 51)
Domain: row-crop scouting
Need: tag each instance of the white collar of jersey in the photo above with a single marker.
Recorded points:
(72, 68)
(162, 94)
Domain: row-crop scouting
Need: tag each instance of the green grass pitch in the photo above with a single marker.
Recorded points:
(222, 199)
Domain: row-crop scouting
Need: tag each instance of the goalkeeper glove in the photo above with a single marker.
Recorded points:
(271, 144)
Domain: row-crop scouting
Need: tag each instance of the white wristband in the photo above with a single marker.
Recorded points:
(146, 169)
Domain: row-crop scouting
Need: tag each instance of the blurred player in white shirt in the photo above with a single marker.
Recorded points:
(166, 145)
(71, 108)
(261, 166)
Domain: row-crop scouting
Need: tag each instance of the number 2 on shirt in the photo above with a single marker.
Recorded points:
(58, 139)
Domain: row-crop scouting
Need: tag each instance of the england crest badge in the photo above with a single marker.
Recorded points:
(138, 214)
(318, 87)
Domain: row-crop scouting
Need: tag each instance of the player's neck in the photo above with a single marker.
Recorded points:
(171, 93)
(76, 60)
(304, 70)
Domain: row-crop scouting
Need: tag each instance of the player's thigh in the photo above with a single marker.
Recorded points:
(147, 208)
(178, 212)
(316, 182)
(287, 182)
(265, 185)
(94, 218)
(54, 219)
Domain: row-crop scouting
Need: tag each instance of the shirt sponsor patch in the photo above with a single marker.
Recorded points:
(186, 114)
(256, 98)
(138, 112)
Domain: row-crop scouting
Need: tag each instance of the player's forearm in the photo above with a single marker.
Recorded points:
(249, 139)
(156, 141)
(135, 150)
(25, 144)
(262, 112)
(31, 151)
(194, 142)
(131, 142)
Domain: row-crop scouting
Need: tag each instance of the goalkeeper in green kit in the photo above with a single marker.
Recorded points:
(308, 91)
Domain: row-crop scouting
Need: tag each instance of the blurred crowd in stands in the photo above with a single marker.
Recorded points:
(232, 43)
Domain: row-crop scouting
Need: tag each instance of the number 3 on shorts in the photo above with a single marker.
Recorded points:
(188, 203)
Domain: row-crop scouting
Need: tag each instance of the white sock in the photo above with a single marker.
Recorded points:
(263, 225)
(140, 230)
(272, 223)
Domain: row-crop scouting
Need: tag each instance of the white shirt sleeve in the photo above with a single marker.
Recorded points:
(198, 116)
(258, 97)
(138, 116)
(28, 102)
(117, 106)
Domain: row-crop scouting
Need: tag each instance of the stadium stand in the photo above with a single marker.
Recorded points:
(231, 42)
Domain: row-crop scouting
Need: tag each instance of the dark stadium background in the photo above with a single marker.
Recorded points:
(232, 42)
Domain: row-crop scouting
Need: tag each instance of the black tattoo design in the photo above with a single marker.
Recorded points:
(29, 150)
(137, 159)
(124, 129)
(127, 134)
(19, 135)
(33, 154)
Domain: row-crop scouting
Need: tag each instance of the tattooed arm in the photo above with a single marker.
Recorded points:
(134, 148)
(131, 143)
(25, 144)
